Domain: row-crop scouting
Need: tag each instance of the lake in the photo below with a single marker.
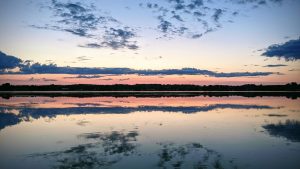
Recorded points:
(149, 132)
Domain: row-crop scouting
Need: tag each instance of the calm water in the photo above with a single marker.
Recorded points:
(135, 133)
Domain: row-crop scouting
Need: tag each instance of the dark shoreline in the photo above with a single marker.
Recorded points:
(287, 94)
(290, 90)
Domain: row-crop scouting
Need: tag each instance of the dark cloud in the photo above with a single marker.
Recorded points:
(216, 16)
(8, 62)
(29, 67)
(289, 50)
(277, 65)
(83, 20)
(52, 69)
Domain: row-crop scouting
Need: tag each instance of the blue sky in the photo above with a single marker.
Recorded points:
(226, 36)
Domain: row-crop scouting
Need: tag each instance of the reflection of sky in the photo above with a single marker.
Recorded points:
(232, 47)
(199, 101)
(234, 133)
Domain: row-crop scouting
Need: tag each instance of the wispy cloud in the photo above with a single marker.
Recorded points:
(125, 79)
(289, 50)
(116, 39)
(195, 18)
(188, 18)
(84, 20)
(83, 58)
(84, 77)
(42, 79)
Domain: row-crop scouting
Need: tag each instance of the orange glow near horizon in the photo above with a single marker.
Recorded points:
(62, 79)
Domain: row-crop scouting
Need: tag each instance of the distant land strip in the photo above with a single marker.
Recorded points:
(150, 87)
(290, 90)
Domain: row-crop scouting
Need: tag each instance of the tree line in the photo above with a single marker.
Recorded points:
(150, 87)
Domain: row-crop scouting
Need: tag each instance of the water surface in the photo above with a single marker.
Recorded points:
(149, 132)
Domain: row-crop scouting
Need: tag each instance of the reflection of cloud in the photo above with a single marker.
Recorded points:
(27, 113)
(172, 155)
(8, 119)
(110, 148)
(106, 150)
(289, 50)
(82, 123)
(290, 129)
(84, 104)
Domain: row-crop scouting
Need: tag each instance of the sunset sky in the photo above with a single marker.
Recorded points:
(149, 41)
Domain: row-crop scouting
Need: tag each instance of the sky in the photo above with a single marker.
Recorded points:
(150, 41)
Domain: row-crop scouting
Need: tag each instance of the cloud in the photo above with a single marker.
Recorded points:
(189, 18)
(154, 58)
(83, 58)
(84, 77)
(218, 13)
(42, 79)
(124, 79)
(90, 45)
(289, 50)
(86, 21)
(107, 79)
(277, 65)
(292, 70)
(197, 17)
(116, 39)
(49, 80)
(8, 62)
(52, 69)
(85, 72)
